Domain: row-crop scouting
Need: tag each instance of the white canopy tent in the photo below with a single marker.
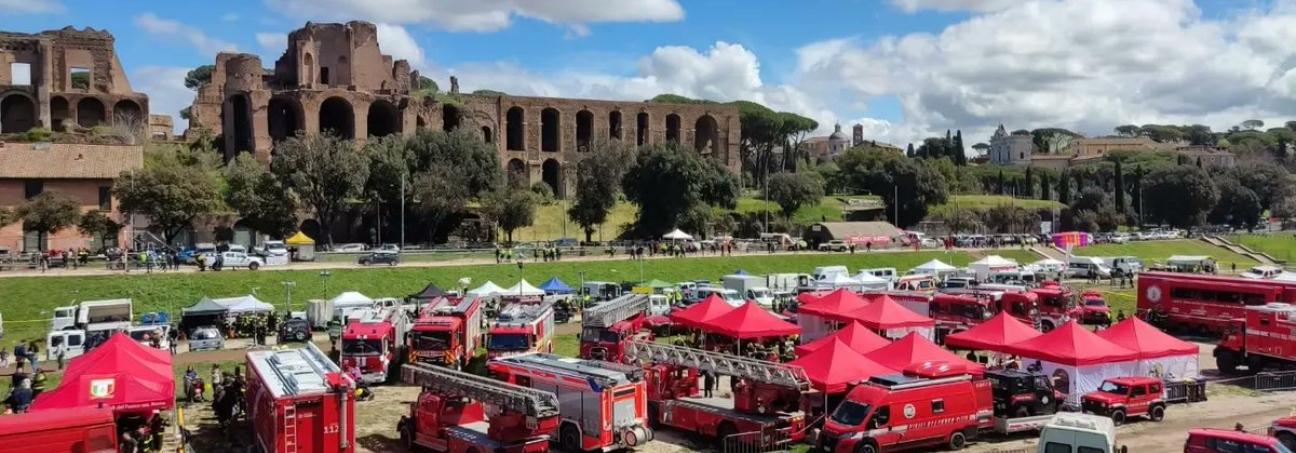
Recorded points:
(244, 305)
(678, 235)
(522, 288)
(838, 282)
(487, 290)
(934, 267)
(348, 302)
(869, 281)
(992, 264)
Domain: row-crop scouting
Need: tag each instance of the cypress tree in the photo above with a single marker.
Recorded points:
(1064, 188)
(948, 145)
(1136, 191)
(1120, 188)
(1000, 183)
(1028, 185)
(1044, 186)
(960, 153)
(910, 152)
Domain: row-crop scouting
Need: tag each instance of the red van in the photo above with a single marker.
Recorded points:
(930, 404)
(1206, 440)
(88, 430)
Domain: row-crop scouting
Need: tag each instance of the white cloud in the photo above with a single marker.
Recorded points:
(230, 17)
(484, 15)
(166, 90)
(170, 29)
(273, 43)
(32, 6)
(911, 6)
(394, 40)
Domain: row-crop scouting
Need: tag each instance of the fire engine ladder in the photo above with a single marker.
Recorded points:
(616, 310)
(503, 395)
(290, 428)
(789, 376)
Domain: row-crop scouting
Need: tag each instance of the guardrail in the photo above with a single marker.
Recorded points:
(1264, 381)
(758, 441)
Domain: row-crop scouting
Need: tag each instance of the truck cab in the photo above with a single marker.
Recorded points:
(601, 290)
(1055, 303)
(1020, 394)
(906, 411)
(1092, 309)
(1121, 398)
(70, 343)
(64, 318)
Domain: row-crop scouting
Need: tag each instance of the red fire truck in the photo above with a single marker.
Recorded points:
(374, 341)
(603, 405)
(607, 326)
(451, 414)
(1204, 303)
(1054, 304)
(959, 309)
(86, 429)
(1092, 309)
(521, 328)
(1262, 338)
(299, 401)
(768, 396)
(448, 331)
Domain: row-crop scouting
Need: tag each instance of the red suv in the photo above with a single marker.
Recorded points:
(1206, 440)
(1125, 397)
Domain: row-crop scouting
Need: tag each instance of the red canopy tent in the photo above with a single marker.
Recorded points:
(749, 321)
(696, 316)
(837, 304)
(1072, 345)
(997, 334)
(1159, 353)
(808, 298)
(891, 319)
(834, 367)
(914, 349)
(120, 374)
(858, 337)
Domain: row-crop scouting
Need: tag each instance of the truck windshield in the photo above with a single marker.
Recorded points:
(361, 346)
(431, 341)
(850, 413)
(1112, 387)
(1095, 302)
(508, 342)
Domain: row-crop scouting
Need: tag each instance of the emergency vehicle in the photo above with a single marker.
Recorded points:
(448, 331)
(1204, 303)
(1284, 429)
(768, 396)
(521, 328)
(927, 405)
(1262, 339)
(82, 429)
(299, 401)
(1092, 309)
(1055, 303)
(603, 405)
(1121, 398)
(607, 326)
(462, 413)
(959, 309)
(374, 341)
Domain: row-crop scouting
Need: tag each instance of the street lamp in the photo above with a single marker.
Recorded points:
(324, 276)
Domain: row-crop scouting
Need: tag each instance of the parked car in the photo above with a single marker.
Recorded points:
(380, 257)
(294, 329)
(1206, 440)
(392, 248)
(234, 260)
(349, 248)
(834, 246)
(206, 338)
(273, 248)
(1121, 398)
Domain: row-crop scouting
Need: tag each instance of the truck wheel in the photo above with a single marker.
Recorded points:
(1226, 361)
(1287, 439)
(1157, 413)
(1022, 411)
(1118, 417)
(301, 336)
(570, 438)
(957, 440)
(1046, 326)
(866, 447)
(254, 266)
(406, 437)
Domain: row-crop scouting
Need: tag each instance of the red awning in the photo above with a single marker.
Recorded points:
(914, 349)
(696, 316)
(121, 374)
(834, 367)
(885, 313)
(997, 334)
(1072, 345)
(1148, 341)
(839, 303)
(750, 321)
(858, 337)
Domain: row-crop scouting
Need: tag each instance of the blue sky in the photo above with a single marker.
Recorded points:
(904, 68)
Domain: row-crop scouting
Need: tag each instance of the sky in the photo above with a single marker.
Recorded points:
(905, 69)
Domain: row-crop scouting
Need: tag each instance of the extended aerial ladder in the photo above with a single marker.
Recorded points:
(719, 363)
(450, 413)
(616, 310)
(503, 395)
(602, 338)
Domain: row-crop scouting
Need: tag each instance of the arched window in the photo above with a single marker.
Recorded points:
(515, 130)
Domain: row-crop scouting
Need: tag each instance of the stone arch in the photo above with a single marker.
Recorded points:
(284, 117)
(517, 174)
(59, 113)
(551, 174)
(238, 129)
(584, 130)
(672, 128)
(129, 112)
(383, 119)
(420, 123)
(614, 125)
(486, 135)
(642, 129)
(451, 117)
(336, 115)
(515, 130)
(550, 130)
(90, 112)
(706, 135)
(17, 113)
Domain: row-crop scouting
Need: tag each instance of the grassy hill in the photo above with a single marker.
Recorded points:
(984, 202)
(1281, 245)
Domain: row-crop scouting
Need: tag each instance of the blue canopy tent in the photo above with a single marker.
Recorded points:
(555, 286)
(740, 272)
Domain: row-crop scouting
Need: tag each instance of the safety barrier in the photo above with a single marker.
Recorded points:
(1264, 381)
(773, 440)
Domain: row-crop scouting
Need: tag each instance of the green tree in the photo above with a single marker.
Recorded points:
(1120, 187)
(598, 183)
(442, 193)
(1252, 124)
(510, 209)
(1040, 137)
(260, 198)
(489, 93)
(1136, 193)
(666, 182)
(1128, 130)
(1180, 196)
(98, 225)
(170, 196)
(1237, 206)
(794, 131)
(1028, 185)
(325, 171)
(1064, 187)
(910, 152)
(199, 76)
(1269, 182)
(1044, 186)
(49, 213)
(960, 153)
(907, 185)
(791, 191)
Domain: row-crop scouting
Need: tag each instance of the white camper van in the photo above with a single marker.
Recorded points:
(1073, 432)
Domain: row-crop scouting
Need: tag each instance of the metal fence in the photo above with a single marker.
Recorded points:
(1264, 382)
(758, 441)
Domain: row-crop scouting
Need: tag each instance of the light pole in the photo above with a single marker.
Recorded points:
(324, 276)
(288, 286)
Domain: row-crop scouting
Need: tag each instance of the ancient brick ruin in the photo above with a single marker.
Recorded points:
(332, 77)
(64, 80)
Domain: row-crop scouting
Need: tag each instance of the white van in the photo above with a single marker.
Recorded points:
(1079, 267)
(730, 296)
(886, 273)
(70, 342)
(1078, 433)
(1129, 265)
(823, 273)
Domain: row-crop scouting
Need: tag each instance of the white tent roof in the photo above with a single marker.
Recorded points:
(523, 288)
(244, 304)
(870, 281)
(676, 234)
(487, 289)
(935, 266)
(351, 298)
(842, 280)
(994, 261)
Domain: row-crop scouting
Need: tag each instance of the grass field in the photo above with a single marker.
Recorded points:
(984, 202)
(1280, 245)
(27, 302)
(550, 220)
(1158, 251)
